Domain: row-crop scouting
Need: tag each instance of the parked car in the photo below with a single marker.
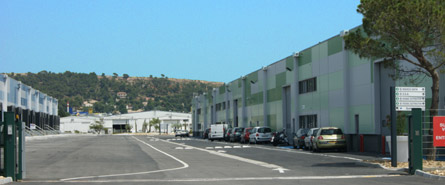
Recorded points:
(245, 135)
(205, 135)
(260, 134)
(227, 134)
(329, 138)
(299, 137)
(235, 134)
(309, 137)
(182, 133)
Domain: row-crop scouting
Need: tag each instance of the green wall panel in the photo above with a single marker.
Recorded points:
(305, 72)
(222, 89)
(366, 119)
(335, 45)
(280, 80)
(274, 94)
(290, 62)
(305, 57)
(336, 117)
(272, 119)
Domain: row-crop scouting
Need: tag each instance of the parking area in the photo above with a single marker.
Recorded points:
(141, 159)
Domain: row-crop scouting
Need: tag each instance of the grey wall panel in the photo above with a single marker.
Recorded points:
(323, 66)
(335, 62)
(361, 95)
(336, 98)
(315, 68)
(360, 75)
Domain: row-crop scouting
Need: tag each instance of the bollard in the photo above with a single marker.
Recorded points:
(362, 143)
(383, 145)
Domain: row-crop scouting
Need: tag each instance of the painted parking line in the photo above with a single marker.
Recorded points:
(225, 179)
(184, 165)
(234, 157)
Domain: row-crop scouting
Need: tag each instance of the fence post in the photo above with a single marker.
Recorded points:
(393, 127)
(10, 156)
(415, 141)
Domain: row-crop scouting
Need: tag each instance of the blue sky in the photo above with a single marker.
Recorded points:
(217, 40)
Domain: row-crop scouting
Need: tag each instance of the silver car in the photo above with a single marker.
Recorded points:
(260, 134)
(308, 139)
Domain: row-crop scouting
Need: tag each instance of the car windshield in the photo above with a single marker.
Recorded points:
(239, 130)
(331, 132)
(264, 130)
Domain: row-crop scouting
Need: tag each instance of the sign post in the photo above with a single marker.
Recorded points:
(408, 98)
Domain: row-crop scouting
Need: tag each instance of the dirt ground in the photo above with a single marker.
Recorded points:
(438, 166)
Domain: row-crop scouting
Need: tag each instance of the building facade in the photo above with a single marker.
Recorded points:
(117, 123)
(323, 85)
(34, 106)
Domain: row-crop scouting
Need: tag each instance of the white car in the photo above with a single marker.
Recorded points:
(182, 133)
(260, 134)
(308, 139)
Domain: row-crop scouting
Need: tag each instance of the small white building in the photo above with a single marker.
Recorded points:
(117, 123)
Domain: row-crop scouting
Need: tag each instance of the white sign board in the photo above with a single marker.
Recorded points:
(32, 126)
(408, 98)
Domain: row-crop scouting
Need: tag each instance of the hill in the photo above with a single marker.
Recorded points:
(136, 93)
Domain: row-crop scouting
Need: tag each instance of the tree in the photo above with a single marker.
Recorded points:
(144, 126)
(98, 126)
(128, 127)
(154, 123)
(404, 31)
(126, 76)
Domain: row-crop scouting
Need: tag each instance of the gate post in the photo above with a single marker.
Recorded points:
(415, 141)
(10, 143)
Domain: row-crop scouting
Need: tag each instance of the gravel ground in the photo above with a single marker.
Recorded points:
(433, 167)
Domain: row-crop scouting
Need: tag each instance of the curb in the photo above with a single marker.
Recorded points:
(5, 180)
(428, 175)
(375, 165)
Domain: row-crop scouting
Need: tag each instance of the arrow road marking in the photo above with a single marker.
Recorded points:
(281, 170)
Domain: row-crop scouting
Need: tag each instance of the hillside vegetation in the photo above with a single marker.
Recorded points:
(160, 93)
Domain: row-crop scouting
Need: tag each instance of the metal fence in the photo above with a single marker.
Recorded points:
(429, 151)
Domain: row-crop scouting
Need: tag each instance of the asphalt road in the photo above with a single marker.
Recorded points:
(127, 159)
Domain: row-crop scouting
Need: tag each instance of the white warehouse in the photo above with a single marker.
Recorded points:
(117, 123)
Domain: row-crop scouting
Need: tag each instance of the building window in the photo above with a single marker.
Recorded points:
(309, 85)
(308, 121)
(223, 105)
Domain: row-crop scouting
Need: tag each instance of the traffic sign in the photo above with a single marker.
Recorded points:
(408, 98)
(439, 131)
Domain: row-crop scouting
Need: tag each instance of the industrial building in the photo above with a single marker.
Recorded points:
(117, 123)
(323, 85)
(32, 105)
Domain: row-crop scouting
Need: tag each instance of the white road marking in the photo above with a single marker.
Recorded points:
(218, 147)
(209, 148)
(281, 170)
(179, 148)
(188, 148)
(251, 161)
(184, 165)
(221, 151)
(236, 146)
(228, 179)
(227, 146)
(245, 146)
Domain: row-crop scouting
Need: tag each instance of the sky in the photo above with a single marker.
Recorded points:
(212, 40)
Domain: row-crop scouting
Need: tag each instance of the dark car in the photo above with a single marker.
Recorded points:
(245, 135)
(299, 137)
(227, 134)
(205, 135)
(235, 134)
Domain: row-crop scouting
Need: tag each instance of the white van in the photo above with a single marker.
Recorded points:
(217, 132)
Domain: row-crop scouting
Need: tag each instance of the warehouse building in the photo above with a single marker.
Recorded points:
(33, 106)
(323, 85)
(117, 123)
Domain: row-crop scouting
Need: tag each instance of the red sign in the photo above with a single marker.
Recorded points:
(439, 131)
